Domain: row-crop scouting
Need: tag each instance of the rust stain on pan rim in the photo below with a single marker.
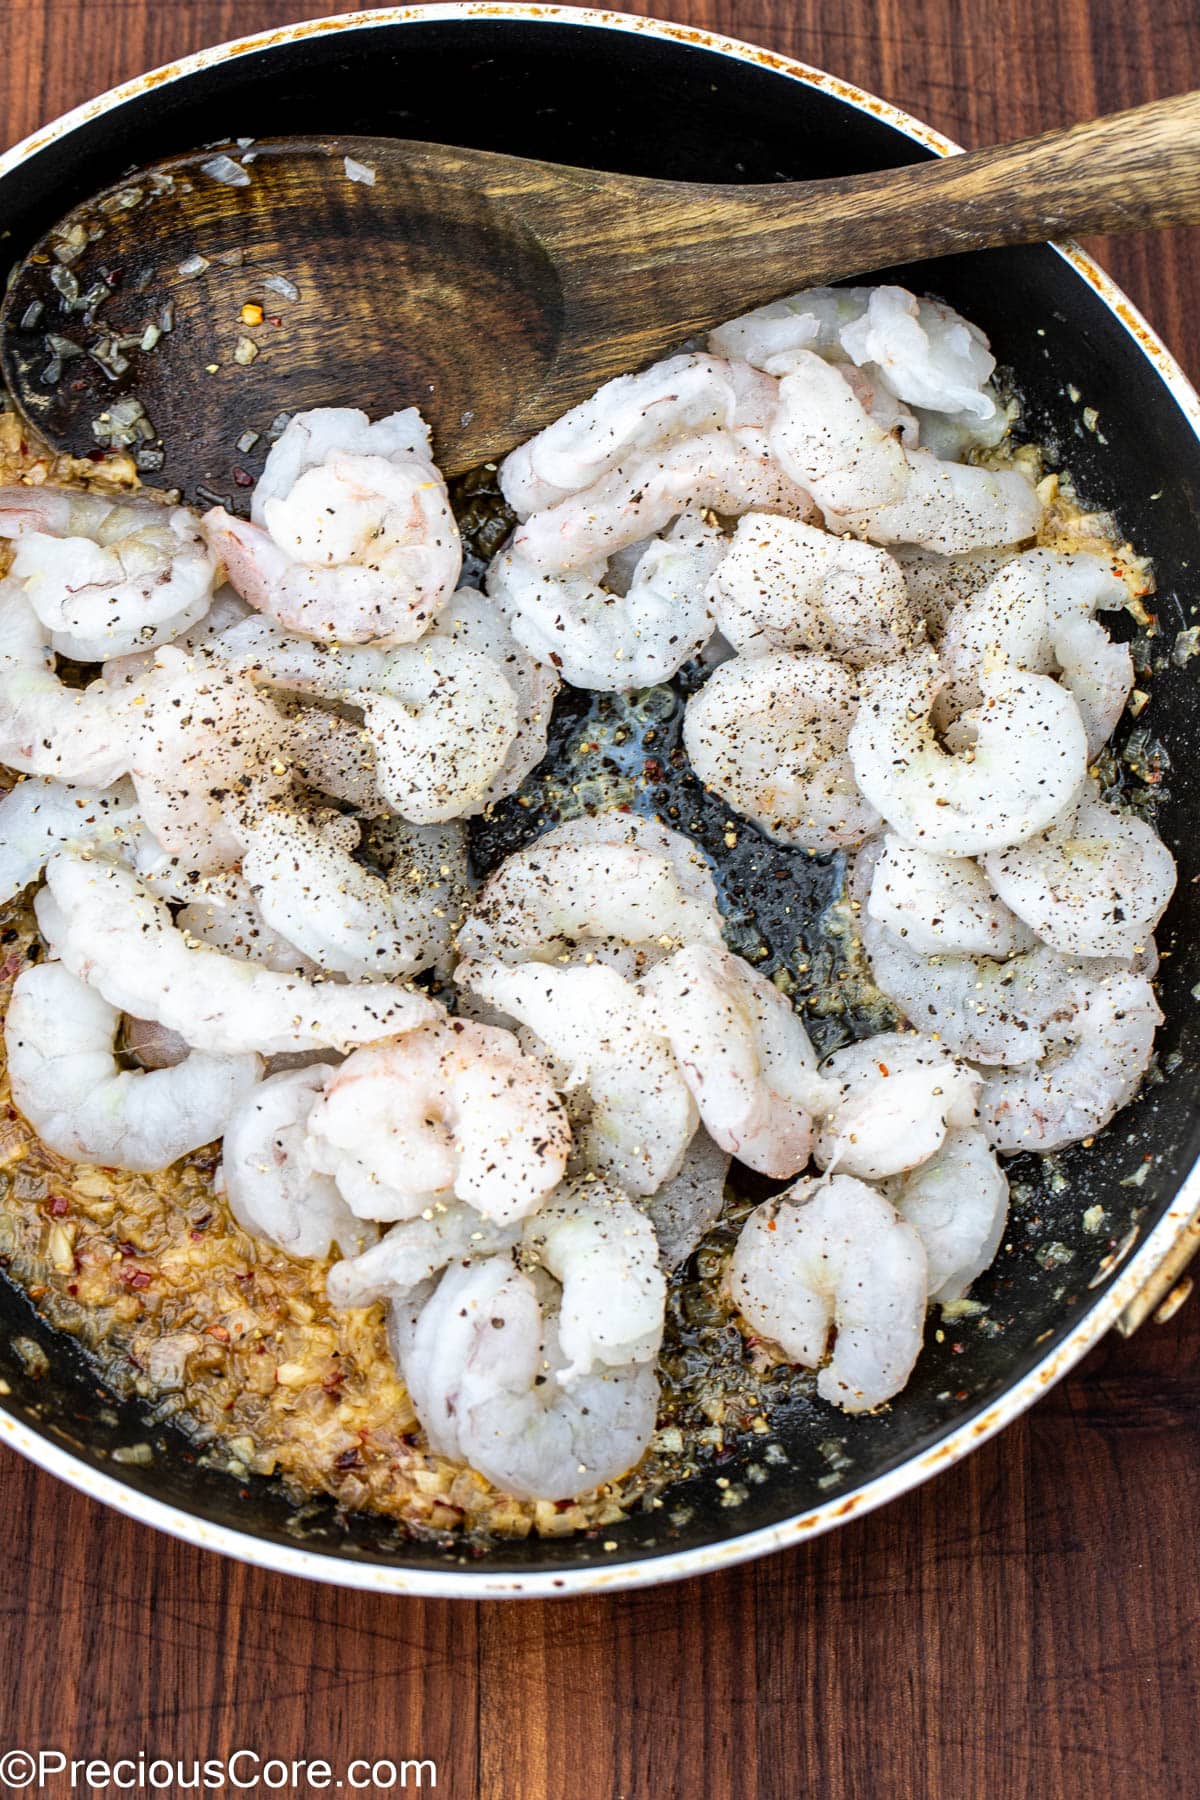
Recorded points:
(477, 1583)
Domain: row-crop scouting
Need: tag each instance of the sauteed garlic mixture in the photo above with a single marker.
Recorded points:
(376, 1160)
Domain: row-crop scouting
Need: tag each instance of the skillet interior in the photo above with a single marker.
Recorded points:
(618, 100)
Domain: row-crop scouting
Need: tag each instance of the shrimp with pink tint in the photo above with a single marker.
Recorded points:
(892, 1099)
(351, 537)
(77, 735)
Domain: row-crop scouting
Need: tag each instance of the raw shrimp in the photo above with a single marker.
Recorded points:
(334, 756)
(226, 610)
(312, 892)
(1096, 1057)
(602, 1251)
(351, 537)
(1095, 884)
(39, 818)
(481, 1358)
(110, 930)
(414, 1252)
(727, 471)
(744, 1054)
(937, 583)
(59, 1036)
(938, 905)
(1037, 612)
(106, 577)
(867, 483)
(633, 1112)
(272, 1189)
(684, 1207)
(609, 641)
(676, 398)
(957, 1203)
(223, 914)
(202, 738)
(1021, 765)
(895, 1096)
(769, 734)
(834, 1254)
(453, 1110)
(47, 728)
(787, 586)
(473, 620)
(608, 882)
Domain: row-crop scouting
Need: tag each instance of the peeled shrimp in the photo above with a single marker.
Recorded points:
(608, 882)
(106, 577)
(957, 1203)
(453, 1110)
(351, 536)
(1095, 884)
(1095, 1059)
(59, 1036)
(684, 1207)
(602, 1251)
(481, 1358)
(769, 734)
(744, 1054)
(787, 586)
(834, 1254)
(676, 398)
(224, 914)
(1022, 765)
(47, 728)
(632, 1110)
(609, 641)
(414, 1252)
(937, 583)
(226, 610)
(272, 1189)
(939, 905)
(111, 931)
(471, 619)
(867, 483)
(39, 818)
(202, 737)
(1037, 612)
(727, 471)
(895, 1096)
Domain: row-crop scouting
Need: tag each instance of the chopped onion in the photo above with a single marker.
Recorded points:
(359, 171)
(193, 265)
(223, 169)
(279, 284)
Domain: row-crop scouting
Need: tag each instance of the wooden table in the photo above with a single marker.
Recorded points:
(1029, 1625)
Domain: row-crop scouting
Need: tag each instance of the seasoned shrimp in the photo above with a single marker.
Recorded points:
(106, 577)
(627, 888)
(833, 1254)
(894, 1097)
(1096, 1057)
(414, 1252)
(202, 738)
(59, 1037)
(744, 1054)
(937, 583)
(481, 1356)
(957, 1203)
(727, 471)
(602, 1251)
(38, 818)
(223, 913)
(351, 537)
(272, 1189)
(453, 1110)
(609, 641)
(473, 620)
(226, 610)
(1021, 766)
(633, 1113)
(1037, 612)
(109, 929)
(47, 728)
(1095, 884)
(676, 398)
(769, 734)
(684, 1207)
(787, 586)
(938, 905)
(312, 893)
(867, 483)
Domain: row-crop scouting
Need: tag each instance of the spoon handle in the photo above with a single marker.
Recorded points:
(1128, 172)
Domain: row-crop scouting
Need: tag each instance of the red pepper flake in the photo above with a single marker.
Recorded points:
(72, 1288)
(333, 1381)
(60, 1206)
(349, 1459)
(220, 1332)
(136, 1278)
(883, 1068)
(242, 478)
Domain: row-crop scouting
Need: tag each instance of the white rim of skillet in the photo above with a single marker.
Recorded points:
(477, 1583)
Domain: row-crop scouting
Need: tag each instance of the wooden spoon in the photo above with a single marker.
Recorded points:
(489, 291)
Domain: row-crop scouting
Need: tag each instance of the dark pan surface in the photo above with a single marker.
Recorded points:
(637, 103)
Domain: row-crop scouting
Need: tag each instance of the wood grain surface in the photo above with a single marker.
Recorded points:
(1028, 1625)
